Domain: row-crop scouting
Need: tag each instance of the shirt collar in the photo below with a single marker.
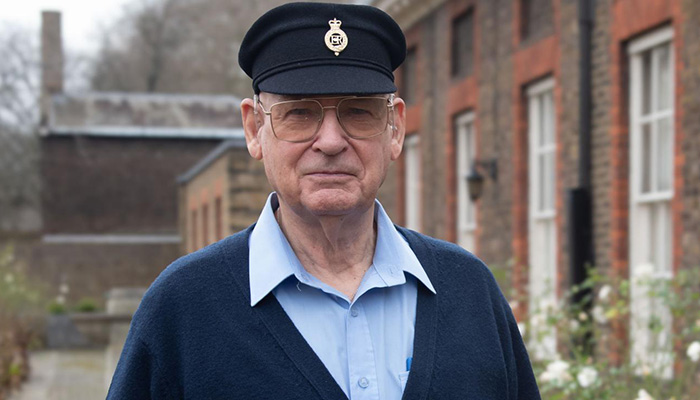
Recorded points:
(272, 259)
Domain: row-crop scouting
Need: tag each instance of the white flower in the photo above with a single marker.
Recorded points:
(645, 369)
(557, 371)
(61, 299)
(599, 315)
(694, 351)
(9, 278)
(604, 293)
(587, 376)
(582, 316)
(538, 320)
(64, 289)
(521, 328)
(643, 395)
(643, 272)
(574, 325)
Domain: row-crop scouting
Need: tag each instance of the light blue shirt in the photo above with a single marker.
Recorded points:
(364, 343)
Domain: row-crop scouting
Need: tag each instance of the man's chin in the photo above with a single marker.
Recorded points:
(334, 202)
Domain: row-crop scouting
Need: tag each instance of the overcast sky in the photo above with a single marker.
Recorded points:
(81, 18)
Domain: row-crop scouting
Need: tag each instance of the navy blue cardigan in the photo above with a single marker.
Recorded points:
(195, 335)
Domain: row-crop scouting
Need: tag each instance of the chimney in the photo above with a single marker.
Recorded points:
(51, 61)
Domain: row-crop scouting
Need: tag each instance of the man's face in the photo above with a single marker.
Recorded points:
(332, 174)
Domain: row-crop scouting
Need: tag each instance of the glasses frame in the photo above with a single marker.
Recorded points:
(390, 106)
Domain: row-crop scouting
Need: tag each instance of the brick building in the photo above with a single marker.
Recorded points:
(109, 165)
(579, 116)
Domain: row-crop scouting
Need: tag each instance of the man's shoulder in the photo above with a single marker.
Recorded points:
(449, 264)
(197, 278)
(201, 263)
(442, 250)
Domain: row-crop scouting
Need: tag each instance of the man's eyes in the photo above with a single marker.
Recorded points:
(299, 112)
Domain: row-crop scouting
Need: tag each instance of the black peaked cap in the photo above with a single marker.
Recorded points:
(285, 51)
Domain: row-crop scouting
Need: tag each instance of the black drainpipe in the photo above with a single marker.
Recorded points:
(579, 204)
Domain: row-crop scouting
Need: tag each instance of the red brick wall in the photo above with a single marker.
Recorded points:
(532, 61)
(462, 95)
(505, 63)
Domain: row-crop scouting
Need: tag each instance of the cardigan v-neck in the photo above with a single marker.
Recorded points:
(290, 339)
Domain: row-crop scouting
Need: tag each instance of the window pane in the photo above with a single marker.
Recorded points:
(412, 194)
(548, 121)
(542, 123)
(469, 151)
(666, 234)
(646, 83)
(660, 239)
(665, 154)
(645, 161)
(536, 18)
(650, 225)
(665, 84)
(542, 177)
(549, 173)
(462, 45)
(408, 77)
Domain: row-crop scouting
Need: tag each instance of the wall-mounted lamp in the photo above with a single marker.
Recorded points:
(475, 179)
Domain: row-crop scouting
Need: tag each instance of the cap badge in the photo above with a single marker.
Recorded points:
(336, 39)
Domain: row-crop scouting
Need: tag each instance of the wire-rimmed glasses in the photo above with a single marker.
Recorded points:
(300, 120)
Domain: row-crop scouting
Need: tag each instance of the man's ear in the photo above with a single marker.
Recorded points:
(398, 130)
(252, 122)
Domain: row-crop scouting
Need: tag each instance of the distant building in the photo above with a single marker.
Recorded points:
(222, 194)
(109, 167)
(582, 125)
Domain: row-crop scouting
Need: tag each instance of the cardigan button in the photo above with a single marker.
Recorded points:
(363, 383)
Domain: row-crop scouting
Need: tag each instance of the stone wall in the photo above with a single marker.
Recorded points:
(235, 177)
(248, 189)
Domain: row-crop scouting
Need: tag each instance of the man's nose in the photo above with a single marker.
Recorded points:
(331, 139)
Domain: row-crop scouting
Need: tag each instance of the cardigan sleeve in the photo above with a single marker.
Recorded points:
(138, 375)
(526, 383)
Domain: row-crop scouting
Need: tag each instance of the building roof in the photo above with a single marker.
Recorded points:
(210, 158)
(147, 115)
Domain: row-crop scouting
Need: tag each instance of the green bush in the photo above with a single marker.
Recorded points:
(20, 313)
(86, 305)
(56, 307)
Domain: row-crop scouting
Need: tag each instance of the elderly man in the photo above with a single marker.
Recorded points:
(324, 298)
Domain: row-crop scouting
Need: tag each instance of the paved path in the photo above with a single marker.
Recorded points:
(65, 375)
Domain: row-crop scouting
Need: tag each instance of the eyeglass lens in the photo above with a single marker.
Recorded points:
(299, 120)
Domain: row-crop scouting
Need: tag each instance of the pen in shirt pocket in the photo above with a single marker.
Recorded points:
(409, 360)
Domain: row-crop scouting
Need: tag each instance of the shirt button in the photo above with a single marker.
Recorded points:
(354, 313)
(363, 382)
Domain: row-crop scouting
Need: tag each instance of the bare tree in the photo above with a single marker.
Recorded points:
(185, 46)
(19, 104)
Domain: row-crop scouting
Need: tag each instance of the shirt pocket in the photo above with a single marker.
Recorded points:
(403, 378)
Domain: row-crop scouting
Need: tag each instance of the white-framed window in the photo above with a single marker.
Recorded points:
(651, 190)
(466, 209)
(542, 232)
(412, 182)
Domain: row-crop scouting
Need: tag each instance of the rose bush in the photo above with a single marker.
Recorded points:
(583, 365)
